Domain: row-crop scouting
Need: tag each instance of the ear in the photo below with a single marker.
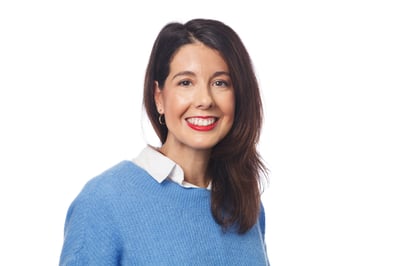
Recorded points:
(158, 98)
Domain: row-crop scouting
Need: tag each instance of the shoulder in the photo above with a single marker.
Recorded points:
(111, 185)
(90, 224)
(112, 180)
(93, 209)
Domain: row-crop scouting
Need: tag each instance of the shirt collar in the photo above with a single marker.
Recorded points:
(160, 167)
(155, 163)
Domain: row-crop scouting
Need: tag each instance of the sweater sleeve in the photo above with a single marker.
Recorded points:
(262, 221)
(90, 237)
(262, 228)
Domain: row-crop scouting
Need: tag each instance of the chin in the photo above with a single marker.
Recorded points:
(203, 145)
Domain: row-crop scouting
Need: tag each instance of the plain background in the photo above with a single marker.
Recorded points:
(71, 75)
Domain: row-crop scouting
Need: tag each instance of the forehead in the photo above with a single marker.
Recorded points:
(197, 56)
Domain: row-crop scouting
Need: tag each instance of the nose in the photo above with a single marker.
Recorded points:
(203, 98)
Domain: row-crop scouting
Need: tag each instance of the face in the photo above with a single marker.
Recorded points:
(197, 99)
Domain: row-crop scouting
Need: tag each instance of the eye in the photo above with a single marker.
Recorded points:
(184, 83)
(221, 83)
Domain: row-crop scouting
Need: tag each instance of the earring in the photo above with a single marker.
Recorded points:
(161, 119)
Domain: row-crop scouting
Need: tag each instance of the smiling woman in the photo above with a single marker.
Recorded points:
(197, 100)
(195, 200)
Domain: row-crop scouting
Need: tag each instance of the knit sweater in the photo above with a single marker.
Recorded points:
(124, 217)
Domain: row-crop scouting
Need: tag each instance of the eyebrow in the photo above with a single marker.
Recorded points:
(183, 73)
(190, 73)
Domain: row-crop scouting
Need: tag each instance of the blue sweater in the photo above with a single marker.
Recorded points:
(124, 217)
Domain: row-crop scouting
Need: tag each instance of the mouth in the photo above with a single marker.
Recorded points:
(202, 123)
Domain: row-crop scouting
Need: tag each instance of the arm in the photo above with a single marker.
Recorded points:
(90, 237)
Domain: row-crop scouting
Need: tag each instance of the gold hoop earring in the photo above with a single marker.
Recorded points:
(161, 119)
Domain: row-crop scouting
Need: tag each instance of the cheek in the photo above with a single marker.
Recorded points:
(227, 105)
(175, 103)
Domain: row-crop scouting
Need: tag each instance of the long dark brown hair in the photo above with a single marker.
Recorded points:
(235, 165)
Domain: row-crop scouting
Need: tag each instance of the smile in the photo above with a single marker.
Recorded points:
(202, 123)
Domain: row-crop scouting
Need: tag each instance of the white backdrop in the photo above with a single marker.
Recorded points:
(71, 75)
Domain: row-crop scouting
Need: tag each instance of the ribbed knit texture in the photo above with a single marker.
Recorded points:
(124, 217)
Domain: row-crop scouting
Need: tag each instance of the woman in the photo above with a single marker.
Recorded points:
(196, 199)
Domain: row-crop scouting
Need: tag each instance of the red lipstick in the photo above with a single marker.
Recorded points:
(202, 123)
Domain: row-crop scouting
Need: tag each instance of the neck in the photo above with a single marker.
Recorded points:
(193, 162)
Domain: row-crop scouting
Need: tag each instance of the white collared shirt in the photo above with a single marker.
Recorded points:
(160, 167)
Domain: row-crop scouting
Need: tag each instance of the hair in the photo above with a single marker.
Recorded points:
(235, 165)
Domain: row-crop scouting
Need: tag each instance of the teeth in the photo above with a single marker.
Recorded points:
(201, 122)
